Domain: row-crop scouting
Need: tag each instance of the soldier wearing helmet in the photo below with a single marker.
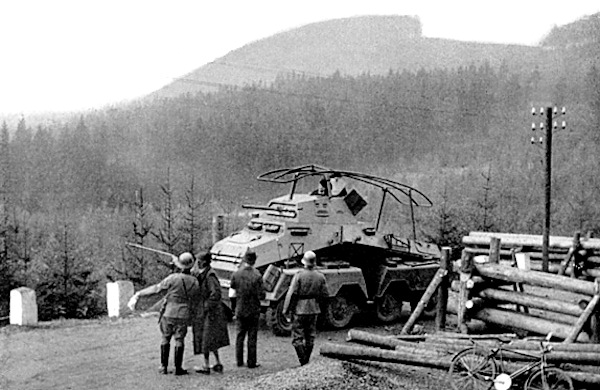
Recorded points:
(307, 289)
(182, 291)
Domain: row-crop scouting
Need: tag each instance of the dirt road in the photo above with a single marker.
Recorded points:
(124, 354)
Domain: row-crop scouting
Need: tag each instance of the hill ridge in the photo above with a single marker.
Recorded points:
(372, 44)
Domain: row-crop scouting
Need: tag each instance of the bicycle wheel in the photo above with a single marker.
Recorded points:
(472, 369)
(551, 378)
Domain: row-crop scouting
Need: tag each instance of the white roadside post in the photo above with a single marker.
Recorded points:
(117, 295)
(23, 307)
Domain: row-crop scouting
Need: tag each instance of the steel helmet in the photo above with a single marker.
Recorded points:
(184, 261)
(309, 258)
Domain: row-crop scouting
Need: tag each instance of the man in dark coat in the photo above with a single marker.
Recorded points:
(182, 290)
(307, 289)
(209, 325)
(248, 286)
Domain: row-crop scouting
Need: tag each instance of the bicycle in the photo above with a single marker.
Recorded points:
(479, 368)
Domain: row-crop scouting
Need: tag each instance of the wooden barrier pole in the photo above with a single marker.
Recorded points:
(537, 278)
(516, 344)
(532, 301)
(532, 241)
(466, 269)
(518, 286)
(344, 352)
(584, 318)
(368, 338)
(595, 328)
(506, 253)
(476, 282)
(475, 304)
(433, 285)
(523, 321)
(565, 263)
(442, 301)
(494, 255)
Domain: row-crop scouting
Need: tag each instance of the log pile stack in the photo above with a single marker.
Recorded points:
(493, 291)
(526, 300)
(436, 350)
(563, 252)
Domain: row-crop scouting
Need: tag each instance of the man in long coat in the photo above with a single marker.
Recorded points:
(209, 325)
(249, 290)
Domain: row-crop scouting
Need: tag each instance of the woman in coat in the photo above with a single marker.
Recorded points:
(209, 326)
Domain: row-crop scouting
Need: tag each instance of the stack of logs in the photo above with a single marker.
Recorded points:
(581, 362)
(563, 251)
(524, 299)
(504, 289)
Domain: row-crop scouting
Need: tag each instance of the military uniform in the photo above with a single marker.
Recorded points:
(176, 313)
(307, 289)
(182, 290)
(248, 285)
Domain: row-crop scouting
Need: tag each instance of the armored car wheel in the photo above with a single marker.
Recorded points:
(388, 308)
(278, 323)
(339, 312)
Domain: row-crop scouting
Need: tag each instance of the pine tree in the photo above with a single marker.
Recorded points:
(167, 235)
(486, 205)
(6, 271)
(67, 286)
(192, 223)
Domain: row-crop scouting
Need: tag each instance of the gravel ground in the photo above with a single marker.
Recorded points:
(327, 373)
(124, 354)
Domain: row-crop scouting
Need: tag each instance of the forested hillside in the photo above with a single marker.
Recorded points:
(155, 173)
(351, 47)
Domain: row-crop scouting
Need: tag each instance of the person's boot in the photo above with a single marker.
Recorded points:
(301, 353)
(179, 361)
(164, 358)
(307, 351)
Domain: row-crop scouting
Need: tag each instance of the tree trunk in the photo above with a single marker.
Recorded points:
(527, 240)
(583, 319)
(424, 359)
(433, 285)
(374, 339)
(442, 301)
(537, 278)
(515, 320)
(531, 301)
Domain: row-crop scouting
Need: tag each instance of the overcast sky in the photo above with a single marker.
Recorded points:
(58, 55)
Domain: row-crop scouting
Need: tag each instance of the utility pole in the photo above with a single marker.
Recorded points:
(549, 126)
